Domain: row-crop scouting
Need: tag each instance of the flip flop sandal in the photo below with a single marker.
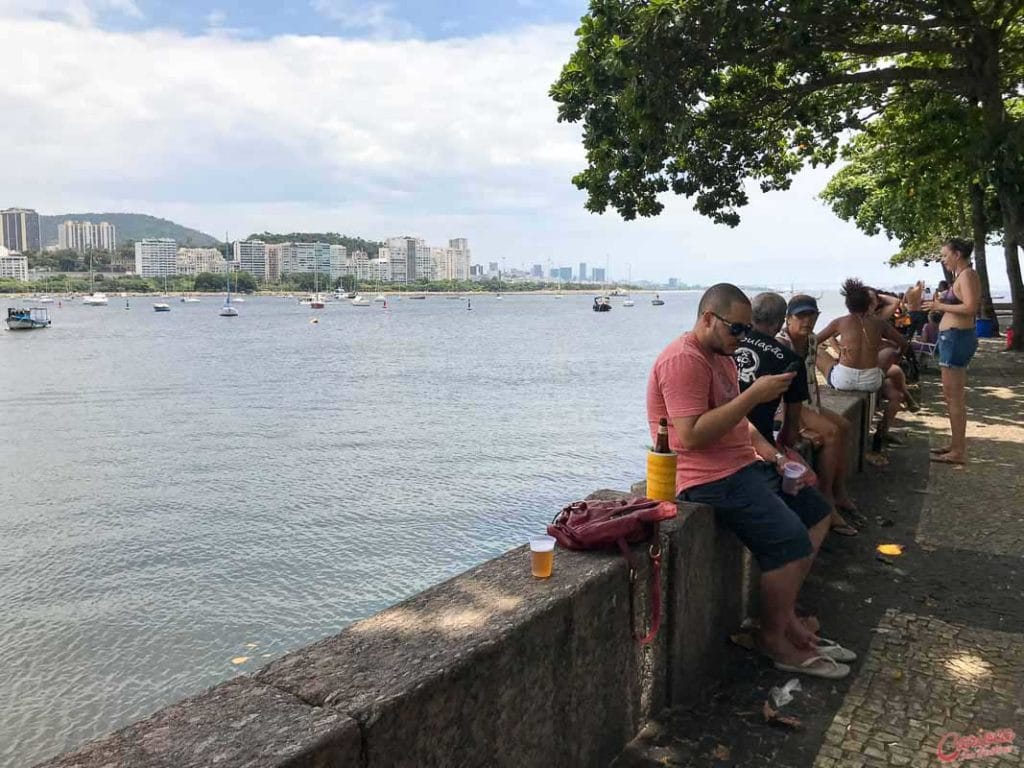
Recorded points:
(943, 458)
(844, 530)
(816, 666)
(876, 459)
(835, 651)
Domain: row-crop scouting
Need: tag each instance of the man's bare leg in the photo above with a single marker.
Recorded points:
(779, 588)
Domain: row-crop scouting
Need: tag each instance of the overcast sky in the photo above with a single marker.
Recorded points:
(422, 117)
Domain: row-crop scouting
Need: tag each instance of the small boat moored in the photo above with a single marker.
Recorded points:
(27, 319)
(657, 301)
(161, 307)
(602, 304)
(96, 300)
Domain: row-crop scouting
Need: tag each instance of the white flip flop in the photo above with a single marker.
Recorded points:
(817, 666)
(835, 651)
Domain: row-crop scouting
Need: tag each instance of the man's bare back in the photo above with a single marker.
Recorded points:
(914, 296)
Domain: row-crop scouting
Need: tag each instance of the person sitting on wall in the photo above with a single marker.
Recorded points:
(818, 424)
(859, 338)
(886, 308)
(724, 462)
(930, 332)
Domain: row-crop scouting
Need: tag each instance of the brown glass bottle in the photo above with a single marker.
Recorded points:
(661, 444)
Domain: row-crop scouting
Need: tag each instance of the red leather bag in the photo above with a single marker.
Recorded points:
(600, 524)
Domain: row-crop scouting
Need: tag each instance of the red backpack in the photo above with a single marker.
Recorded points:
(600, 524)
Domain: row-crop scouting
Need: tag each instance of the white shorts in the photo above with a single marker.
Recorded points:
(855, 379)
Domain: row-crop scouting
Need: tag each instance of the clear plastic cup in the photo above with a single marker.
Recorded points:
(792, 471)
(542, 556)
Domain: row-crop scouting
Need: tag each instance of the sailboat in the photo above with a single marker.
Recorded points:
(227, 310)
(499, 281)
(95, 299)
(628, 302)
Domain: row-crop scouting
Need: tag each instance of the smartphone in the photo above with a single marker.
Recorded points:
(795, 367)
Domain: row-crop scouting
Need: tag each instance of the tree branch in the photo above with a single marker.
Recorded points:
(890, 76)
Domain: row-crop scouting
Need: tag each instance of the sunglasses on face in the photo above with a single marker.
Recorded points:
(735, 329)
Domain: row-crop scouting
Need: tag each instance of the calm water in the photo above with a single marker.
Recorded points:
(181, 489)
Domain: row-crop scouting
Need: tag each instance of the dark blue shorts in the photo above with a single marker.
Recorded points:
(771, 524)
(956, 347)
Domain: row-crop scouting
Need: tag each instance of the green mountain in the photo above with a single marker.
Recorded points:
(130, 226)
(333, 238)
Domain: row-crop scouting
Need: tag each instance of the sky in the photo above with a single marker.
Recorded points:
(370, 118)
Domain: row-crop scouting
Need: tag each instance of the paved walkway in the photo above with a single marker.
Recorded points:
(940, 628)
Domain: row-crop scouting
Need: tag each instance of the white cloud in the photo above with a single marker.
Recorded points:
(443, 138)
(376, 17)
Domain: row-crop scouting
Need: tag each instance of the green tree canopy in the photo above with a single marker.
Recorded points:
(698, 97)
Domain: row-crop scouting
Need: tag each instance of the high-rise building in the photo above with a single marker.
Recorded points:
(359, 262)
(492, 268)
(476, 270)
(673, 282)
(461, 257)
(565, 274)
(340, 263)
(583, 272)
(597, 275)
(19, 229)
(251, 256)
(273, 262)
(82, 236)
(156, 257)
(409, 258)
(537, 271)
(306, 258)
(193, 261)
(13, 265)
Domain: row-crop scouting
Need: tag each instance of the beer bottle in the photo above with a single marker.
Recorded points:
(661, 444)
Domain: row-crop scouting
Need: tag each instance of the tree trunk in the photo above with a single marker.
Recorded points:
(979, 233)
(1010, 245)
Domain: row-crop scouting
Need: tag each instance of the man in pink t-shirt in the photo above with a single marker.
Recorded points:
(724, 462)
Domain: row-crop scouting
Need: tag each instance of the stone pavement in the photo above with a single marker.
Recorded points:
(940, 628)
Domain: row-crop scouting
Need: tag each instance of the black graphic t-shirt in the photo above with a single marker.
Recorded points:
(760, 355)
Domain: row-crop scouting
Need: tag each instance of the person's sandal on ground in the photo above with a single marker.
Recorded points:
(875, 459)
(816, 666)
(835, 651)
(947, 458)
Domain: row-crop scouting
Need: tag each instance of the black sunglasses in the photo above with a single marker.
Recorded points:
(735, 329)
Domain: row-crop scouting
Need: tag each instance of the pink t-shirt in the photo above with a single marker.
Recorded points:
(687, 381)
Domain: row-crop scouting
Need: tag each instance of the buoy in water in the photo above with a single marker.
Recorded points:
(315, 320)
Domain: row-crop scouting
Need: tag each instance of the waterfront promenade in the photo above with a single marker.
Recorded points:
(940, 629)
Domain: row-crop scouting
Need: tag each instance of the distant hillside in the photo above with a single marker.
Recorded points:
(130, 226)
(351, 243)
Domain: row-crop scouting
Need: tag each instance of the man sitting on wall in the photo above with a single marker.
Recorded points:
(724, 462)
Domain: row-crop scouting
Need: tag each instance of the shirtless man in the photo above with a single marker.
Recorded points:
(860, 336)
(957, 343)
(914, 298)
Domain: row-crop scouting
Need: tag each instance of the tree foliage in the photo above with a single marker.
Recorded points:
(699, 97)
(332, 238)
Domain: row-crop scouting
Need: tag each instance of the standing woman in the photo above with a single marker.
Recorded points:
(957, 343)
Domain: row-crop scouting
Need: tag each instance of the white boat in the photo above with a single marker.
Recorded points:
(227, 310)
(379, 298)
(237, 300)
(44, 300)
(96, 300)
(189, 300)
(628, 301)
(360, 301)
(161, 307)
(28, 319)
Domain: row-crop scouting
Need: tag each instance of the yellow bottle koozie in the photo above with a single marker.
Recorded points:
(661, 476)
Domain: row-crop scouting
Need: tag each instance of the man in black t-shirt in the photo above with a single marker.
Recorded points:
(761, 354)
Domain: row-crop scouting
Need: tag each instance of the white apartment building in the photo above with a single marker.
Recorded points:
(359, 265)
(410, 259)
(451, 263)
(380, 269)
(301, 258)
(156, 257)
(192, 261)
(13, 265)
(251, 256)
(82, 236)
(340, 265)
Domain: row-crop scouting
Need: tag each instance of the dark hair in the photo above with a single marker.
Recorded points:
(934, 317)
(963, 247)
(769, 309)
(858, 300)
(720, 298)
(942, 286)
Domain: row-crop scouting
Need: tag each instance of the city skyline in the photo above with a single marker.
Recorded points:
(256, 119)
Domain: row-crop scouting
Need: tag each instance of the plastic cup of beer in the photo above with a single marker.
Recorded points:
(542, 555)
(792, 471)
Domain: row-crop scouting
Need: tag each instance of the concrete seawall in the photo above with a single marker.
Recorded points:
(490, 668)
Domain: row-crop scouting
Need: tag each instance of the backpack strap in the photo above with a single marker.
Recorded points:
(655, 554)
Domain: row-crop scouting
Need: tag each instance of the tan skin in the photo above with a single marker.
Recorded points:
(860, 338)
(967, 288)
(914, 296)
(783, 636)
(829, 427)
